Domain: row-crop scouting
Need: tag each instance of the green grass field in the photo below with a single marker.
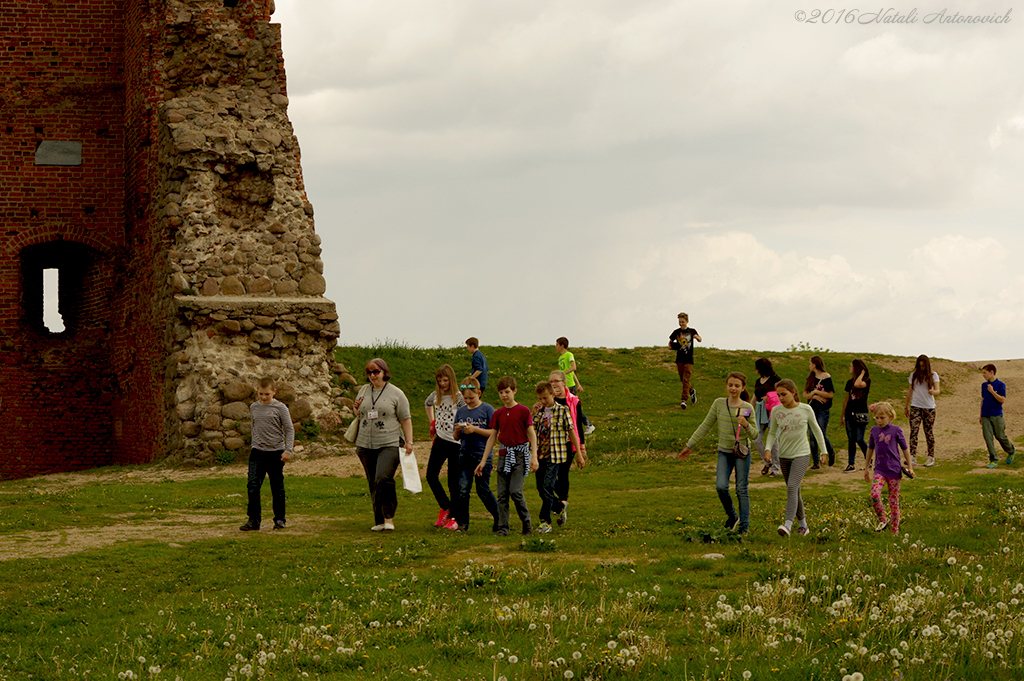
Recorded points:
(624, 591)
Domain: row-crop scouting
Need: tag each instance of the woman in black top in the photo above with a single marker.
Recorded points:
(818, 391)
(767, 378)
(855, 409)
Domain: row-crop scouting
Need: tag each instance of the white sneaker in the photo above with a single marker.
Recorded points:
(388, 525)
(377, 528)
(930, 462)
(589, 429)
(783, 531)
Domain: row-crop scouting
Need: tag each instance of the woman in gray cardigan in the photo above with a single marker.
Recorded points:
(384, 420)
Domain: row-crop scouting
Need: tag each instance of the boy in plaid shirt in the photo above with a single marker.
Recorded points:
(556, 438)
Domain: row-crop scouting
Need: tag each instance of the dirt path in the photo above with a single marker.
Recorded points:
(957, 437)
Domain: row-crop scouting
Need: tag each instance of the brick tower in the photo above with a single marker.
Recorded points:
(146, 155)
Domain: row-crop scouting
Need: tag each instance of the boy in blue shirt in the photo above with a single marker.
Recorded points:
(478, 364)
(472, 430)
(993, 395)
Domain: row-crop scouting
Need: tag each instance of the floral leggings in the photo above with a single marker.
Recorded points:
(894, 501)
(919, 416)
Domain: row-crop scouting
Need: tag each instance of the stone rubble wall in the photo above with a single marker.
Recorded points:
(245, 263)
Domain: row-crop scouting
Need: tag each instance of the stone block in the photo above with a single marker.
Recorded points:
(236, 411)
(236, 390)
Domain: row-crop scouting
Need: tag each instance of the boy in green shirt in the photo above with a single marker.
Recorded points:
(567, 365)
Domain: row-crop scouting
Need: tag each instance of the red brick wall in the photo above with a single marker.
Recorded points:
(62, 79)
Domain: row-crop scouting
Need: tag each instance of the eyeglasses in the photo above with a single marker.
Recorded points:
(372, 372)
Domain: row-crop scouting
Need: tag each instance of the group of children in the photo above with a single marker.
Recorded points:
(549, 438)
(545, 441)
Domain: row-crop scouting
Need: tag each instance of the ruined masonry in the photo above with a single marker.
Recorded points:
(147, 156)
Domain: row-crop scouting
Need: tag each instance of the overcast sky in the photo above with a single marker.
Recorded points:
(520, 170)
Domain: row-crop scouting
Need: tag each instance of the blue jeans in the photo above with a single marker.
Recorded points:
(822, 418)
(547, 480)
(467, 479)
(726, 462)
(855, 434)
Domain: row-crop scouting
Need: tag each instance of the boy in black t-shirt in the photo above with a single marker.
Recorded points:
(681, 340)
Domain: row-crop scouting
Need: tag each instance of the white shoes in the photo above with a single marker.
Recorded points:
(930, 461)
(386, 525)
(589, 429)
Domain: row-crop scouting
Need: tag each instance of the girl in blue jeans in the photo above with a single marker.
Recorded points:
(731, 414)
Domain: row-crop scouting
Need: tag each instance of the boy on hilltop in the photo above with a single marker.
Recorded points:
(512, 427)
(273, 437)
(472, 430)
(478, 363)
(567, 365)
(993, 396)
(681, 340)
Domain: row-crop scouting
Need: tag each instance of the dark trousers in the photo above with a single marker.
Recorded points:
(562, 481)
(822, 418)
(547, 481)
(380, 465)
(442, 451)
(265, 464)
(510, 485)
(467, 479)
(855, 434)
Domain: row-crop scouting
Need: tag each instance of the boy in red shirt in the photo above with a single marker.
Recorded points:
(512, 426)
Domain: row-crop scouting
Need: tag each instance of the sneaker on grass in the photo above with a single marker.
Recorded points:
(783, 531)
(545, 528)
(249, 526)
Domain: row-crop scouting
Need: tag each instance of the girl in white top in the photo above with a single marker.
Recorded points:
(788, 425)
(920, 407)
(441, 406)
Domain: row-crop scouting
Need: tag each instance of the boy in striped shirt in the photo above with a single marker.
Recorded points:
(273, 437)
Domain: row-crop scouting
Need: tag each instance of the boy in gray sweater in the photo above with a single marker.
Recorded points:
(273, 437)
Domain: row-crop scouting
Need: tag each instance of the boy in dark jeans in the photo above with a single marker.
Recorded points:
(272, 440)
(512, 427)
(472, 430)
(556, 438)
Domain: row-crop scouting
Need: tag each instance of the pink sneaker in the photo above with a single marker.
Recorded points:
(442, 518)
(451, 524)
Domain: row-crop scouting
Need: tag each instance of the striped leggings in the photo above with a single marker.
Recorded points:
(793, 471)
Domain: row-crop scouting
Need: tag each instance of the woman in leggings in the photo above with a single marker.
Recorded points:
(920, 407)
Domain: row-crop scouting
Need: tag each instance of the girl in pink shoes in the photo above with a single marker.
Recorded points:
(884, 448)
(441, 406)
(789, 423)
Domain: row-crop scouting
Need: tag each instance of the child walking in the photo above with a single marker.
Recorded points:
(273, 437)
(789, 423)
(556, 437)
(568, 399)
(512, 427)
(993, 427)
(681, 340)
(730, 414)
(886, 441)
(441, 406)
(472, 430)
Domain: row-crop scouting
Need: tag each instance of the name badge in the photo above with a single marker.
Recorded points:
(373, 415)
